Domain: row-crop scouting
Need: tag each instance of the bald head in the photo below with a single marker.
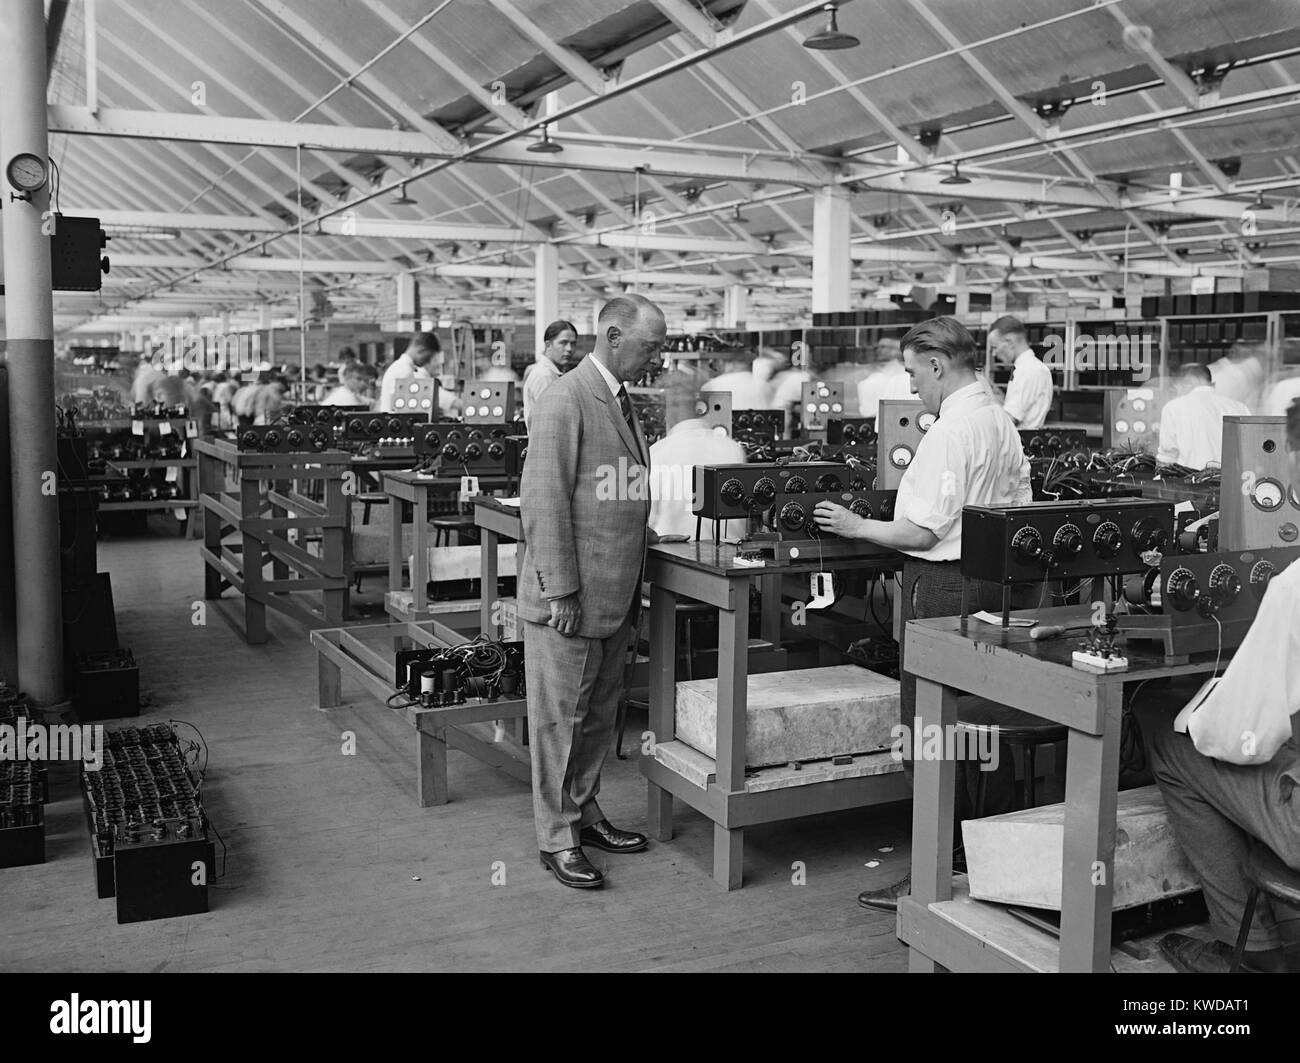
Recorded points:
(630, 331)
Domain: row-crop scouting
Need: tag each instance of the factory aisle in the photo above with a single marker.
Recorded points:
(333, 867)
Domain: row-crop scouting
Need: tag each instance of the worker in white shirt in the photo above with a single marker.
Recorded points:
(748, 383)
(1283, 392)
(1191, 425)
(1241, 374)
(689, 442)
(422, 359)
(559, 341)
(351, 386)
(1229, 772)
(889, 381)
(1029, 394)
(970, 456)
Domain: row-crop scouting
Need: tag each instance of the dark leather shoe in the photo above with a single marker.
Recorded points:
(886, 900)
(604, 835)
(1191, 955)
(572, 868)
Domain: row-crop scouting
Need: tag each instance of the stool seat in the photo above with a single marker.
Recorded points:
(1013, 725)
(1265, 869)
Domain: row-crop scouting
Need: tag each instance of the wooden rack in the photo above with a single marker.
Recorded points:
(268, 509)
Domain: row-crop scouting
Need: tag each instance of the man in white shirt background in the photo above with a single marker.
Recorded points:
(559, 340)
(971, 456)
(888, 381)
(748, 383)
(689, 442)
(1229, 772)
(1191, 425)
(351, 386)
(1029, 395)
(422, 358)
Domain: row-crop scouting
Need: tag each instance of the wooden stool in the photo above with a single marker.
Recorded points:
(1266, 874)
(444, 526)
(1013, 726)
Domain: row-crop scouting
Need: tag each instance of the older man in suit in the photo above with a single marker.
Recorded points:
(585, 509)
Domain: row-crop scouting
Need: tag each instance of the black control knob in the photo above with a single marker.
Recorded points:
(375, 426)
(732, 491)
(765, 491)
(432, 441)
(271, 439)
(849, 433)
(861, 507)
(1028, 544)
(1182, 589)
(828, 481)
(1067, 543)
(451, 452)
(793, 517)
(1225, 585)
(249, 441)
(473, 452)
(1108, 540)
(296, 439)
(319, 438)
(496, 451)
(796, 485)
(1261, 572)
(1147, 535)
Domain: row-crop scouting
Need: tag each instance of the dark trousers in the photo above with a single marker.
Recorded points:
(1217, 811)
(935, 589)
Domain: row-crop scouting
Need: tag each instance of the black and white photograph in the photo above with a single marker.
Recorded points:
(650, 486)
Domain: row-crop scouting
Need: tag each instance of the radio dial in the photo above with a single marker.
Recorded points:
(296, 439)
(732, 492)
(765, 491)
(473, 452)
(496, 451)
(1225, 585)
(1108, 539)
(1182, 589)
(1067, 542)
(793, 516)
(828, 482)
(1148, 535)
(1261, 572)
(861, 507)
(451, 452)
(375, 426)
(1028, 544)
(796, 485)
(271, 438)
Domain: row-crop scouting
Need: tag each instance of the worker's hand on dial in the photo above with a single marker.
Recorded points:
(566, 615)
(837, 520)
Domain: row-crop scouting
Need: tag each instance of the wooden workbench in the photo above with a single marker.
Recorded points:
(706, 572)
(945, 929)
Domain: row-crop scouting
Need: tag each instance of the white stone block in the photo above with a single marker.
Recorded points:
(1016, 858)
(807, 714)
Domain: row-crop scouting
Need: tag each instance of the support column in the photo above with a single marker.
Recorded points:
(408, 303)
(832, 265)
(546, 289)
(735, 306)
(956, 280)
(29, 309)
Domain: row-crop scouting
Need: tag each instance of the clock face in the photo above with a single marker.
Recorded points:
(27, 172)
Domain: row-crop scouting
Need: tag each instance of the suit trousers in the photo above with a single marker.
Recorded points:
(574, 687)
(1217, 810)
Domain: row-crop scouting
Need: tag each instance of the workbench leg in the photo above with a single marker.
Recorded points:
(431, 765)
(329, 681)
(659, 812)
(769, 592)
(728, 856)
(488, 556)
(934, 795)
(1088, 862)
(663, 694)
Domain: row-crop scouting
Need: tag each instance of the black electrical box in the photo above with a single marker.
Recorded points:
(76, 264)
(1063, 540)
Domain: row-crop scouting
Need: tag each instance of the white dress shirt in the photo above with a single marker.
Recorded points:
(1280, 397)
(746, 390)
(1191, 427)
(787, 388)
(343, 396)
(889, 382)
(672, 475)
(540, 376)
(401, 368)
(971, 456)
(1251, 712)
(610, 379)
(1029, 394)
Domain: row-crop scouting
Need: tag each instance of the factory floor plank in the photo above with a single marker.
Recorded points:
(332, 866)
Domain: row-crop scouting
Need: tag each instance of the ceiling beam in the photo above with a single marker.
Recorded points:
(335, 226)
(593, 80)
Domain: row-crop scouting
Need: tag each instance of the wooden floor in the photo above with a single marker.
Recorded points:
(333, 867)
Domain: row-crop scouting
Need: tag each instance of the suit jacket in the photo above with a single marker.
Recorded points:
(585, 504)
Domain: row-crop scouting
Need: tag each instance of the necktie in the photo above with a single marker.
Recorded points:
(625, 404)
